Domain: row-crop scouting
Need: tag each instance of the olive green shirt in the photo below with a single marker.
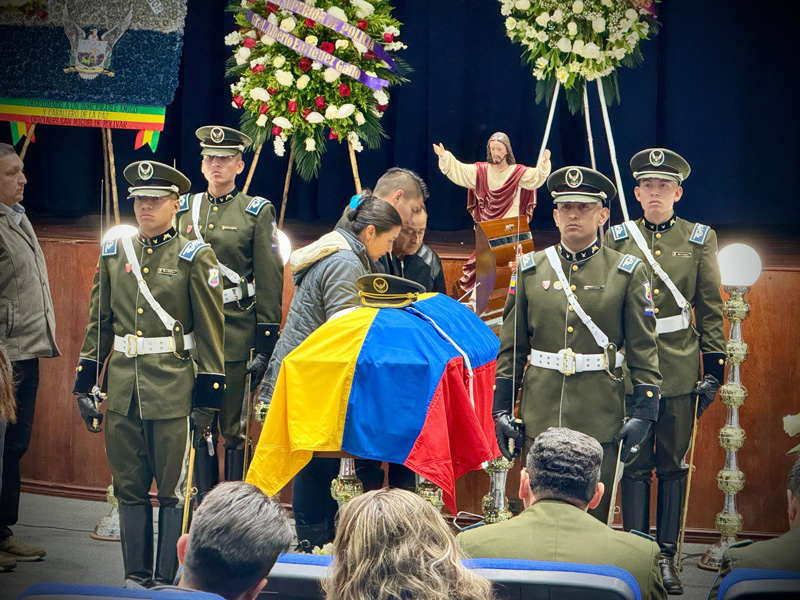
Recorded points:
(184, 278)
(241, 229)
(613, 290)
(688, 254)
(560, 532)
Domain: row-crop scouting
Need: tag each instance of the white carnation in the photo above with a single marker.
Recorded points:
(381, 97)
(311, 145)
(342, 44)
(395, 46)
(331, 75)
(278, 62)
(314, 117)
(267, 40)
(272, 19)
(316, 66)
(360, 47)
(282, 122)
(312, 39)
(331, 112)
(260, 94)
(337, 12)
(278, 145)
(363, 8)
(288, 24)
(242, 55)
(302, 82)
(284, 77)
(234, 38)
(261, 121)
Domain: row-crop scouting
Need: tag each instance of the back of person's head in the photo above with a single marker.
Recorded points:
(564, 465)
(398, 178)
(8, 399)
(370, 210)
(392, 544)
(794, 479)
(235, 538)
(6, 149)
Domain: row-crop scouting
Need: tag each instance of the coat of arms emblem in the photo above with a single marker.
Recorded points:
(90, 53)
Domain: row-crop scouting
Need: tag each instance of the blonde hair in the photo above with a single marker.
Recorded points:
(8, 399)
(391, 544)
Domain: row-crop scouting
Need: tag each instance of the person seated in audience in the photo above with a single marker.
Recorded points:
(560, 482)
(781, 553)
(235, 538)
(392, 544)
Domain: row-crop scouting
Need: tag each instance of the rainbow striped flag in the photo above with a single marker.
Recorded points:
(408, 385)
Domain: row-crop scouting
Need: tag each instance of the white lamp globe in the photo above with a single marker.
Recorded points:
(284, 245)
(739, 265)
(119, 231)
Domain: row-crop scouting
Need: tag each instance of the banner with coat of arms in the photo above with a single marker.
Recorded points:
(90, 63)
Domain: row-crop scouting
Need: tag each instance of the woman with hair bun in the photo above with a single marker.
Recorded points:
(325, 275)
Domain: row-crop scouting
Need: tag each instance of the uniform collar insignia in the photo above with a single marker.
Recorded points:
(158, 239)
(224, 198)
(665, 226)
(584, 254)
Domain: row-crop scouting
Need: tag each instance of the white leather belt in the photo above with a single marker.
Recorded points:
(676, 323)
(235, 293)
(132, 345)
(569, 362)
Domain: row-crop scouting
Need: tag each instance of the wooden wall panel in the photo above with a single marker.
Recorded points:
(65, 458)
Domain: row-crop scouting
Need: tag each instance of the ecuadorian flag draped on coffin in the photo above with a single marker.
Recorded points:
(408, 385)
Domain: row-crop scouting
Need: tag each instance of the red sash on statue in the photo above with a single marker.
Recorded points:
(487, 205)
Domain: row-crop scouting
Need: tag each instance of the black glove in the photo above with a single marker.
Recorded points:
(89, 412)
(506, 429)
(202, 418)
(257, 367)
(705, 392)
(632, 433)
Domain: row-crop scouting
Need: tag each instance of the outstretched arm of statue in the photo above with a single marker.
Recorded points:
(534, 177)
(457, 172)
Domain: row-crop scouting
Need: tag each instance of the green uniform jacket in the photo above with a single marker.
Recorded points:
(184, 278)
(781, 553)
(242, 231)
(613, 290)
(560, 532)
(688, 254)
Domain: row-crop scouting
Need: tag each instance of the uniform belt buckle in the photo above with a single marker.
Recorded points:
(568, 361)
(131, 346)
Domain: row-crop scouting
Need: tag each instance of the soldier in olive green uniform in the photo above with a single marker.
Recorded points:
(241, 230)
(680, 259)
(576, 305)
(156, 297)
(557, 486)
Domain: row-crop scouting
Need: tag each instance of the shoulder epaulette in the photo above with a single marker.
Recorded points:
(620, 232)
(699, 234)
(644, 535)
(191, 249)
(527, 262)
(629, 263)
(256, 204)
(741, 544)
(109, 248)
(184, 203)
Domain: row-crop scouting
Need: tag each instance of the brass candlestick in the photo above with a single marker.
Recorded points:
(430, 492)
(347, 485)
(495, 503)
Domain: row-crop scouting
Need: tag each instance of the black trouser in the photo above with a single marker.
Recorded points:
(18, 436)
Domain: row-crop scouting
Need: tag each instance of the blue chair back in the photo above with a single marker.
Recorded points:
(748, 584)
(297, 576)
(66, 591)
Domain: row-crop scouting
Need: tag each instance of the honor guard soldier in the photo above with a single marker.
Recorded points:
(680, 260)
(242, 231)
(156, 297)
(575, 306)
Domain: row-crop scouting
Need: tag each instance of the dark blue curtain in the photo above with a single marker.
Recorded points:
(717, 85)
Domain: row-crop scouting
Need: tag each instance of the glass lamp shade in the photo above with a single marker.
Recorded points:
(284, 245)
(739, 265)
(119, 231)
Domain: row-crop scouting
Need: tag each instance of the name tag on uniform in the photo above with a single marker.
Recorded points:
(230, 228)
(594, 287)
(682, 254)
(162, 271)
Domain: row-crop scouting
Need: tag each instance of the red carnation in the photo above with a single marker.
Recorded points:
(306, 112)
(258, 68)
(238, 101)
(327, 47)
(272, 91)
(333, 135)
(276, 131)
(320, 102)
(344, 90)
(381, 107)
(292, 106)
(42, 14)
(263, 108)
(362, 24)
(388, 38)
(304, 63)
(249, 42)
(370, 54)
(311, 23)
(272, 7)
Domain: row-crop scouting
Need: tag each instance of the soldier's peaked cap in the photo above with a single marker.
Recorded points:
(216, 140)
(382, 291)
(659, 163)
(151, 178)
(580, 184)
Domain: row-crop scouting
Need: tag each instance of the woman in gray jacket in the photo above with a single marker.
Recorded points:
(325, 275)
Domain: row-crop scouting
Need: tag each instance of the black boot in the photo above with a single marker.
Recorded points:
(668, 522)
(206, 472)
(170, 521)
(136, 535)
(311, 536)
(234, 464)
(635, 505)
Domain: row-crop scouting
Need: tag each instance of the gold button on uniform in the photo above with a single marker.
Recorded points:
(215, 209)
(216, 387)
(649, 394)
(570, 329)
(211, 226)
(573, 287)
(570, 307)
(140, 311)
(266, 333)
(574, 267)
(658, 236)
(79, 369)
(145, 270)
(656, 292)
(138, 332)
(656, 310)
(149, 250)
(722, 361)
(658, 252)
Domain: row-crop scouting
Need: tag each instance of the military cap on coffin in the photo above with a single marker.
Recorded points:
(382, 291)
(580, 184)
(216, 140)
(659, 163)
(151, 178)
